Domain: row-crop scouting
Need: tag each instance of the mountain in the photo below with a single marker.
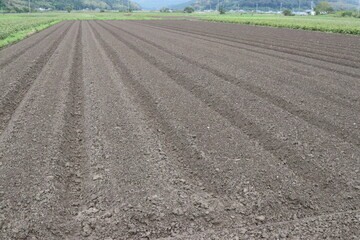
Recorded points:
(261, 4)
(22, 5)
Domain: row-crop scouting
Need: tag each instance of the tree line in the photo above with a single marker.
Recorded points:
(22, 5)
(253, 4)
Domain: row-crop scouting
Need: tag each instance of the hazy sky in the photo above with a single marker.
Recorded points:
(157, 4)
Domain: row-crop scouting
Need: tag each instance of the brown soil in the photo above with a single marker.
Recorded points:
(179, 130)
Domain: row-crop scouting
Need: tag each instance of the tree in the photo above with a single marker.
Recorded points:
(324, 7)
(189, 10)
(69, 8)
(165, 10)
(222, 10)
(287, 12)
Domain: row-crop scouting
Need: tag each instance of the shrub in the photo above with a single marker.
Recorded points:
(346, 14)
(189, 10)
(287, 12)
(222, 10)
(165, 10)
(69, 8)
(324, 7)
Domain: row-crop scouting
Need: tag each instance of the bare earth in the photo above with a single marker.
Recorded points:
(179, 130)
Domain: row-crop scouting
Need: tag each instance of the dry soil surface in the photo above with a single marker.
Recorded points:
(179, 130)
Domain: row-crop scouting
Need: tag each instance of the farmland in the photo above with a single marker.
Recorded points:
(179, 130)
(13, 30)
(14, 27)
(315, 23)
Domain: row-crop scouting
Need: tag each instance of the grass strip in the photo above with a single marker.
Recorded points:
(323, 26)
(20, 35)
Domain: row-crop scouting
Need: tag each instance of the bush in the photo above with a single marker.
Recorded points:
(222, 10)
(324, 7)
(102, 10)
(346, 13)
(189, 10)
(69, 8)
(165, 10)
(287, 12)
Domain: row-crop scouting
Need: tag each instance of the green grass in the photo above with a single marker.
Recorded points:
(329, 23)
(13, 30)
(15, 27)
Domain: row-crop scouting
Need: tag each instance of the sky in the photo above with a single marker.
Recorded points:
(157, 4)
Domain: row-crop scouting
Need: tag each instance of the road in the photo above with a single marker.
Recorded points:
(179, 130)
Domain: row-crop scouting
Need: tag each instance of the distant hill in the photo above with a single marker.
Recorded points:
(262, 4)
(22, 5)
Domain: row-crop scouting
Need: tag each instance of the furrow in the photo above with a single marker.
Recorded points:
(183, 32)
(337, 98)
(14, 96)
(297, 37)
(72, 145)
(138, 130)
(149, 104)
(190, 160)
(282, 151)
(352, 62)
(275, 100)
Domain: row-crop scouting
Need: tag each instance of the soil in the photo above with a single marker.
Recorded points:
(179, 130)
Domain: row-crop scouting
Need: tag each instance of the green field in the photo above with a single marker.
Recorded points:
(326, 23)
(15, 27)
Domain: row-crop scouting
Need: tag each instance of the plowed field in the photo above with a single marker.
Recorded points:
(179, 130)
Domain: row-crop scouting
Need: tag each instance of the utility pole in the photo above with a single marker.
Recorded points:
(299, 6)
(256, 8)
(219, 5)
(29, 7)
(280, 6)
(128, 5)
